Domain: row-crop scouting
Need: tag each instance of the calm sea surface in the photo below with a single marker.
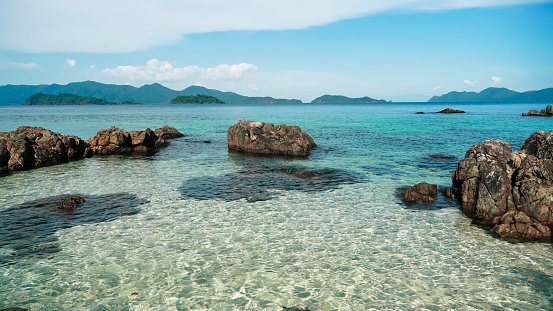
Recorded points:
(195, 227)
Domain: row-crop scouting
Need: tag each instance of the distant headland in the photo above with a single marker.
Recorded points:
(495, 95)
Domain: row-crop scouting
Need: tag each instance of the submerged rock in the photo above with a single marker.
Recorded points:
(256, 182)
(28, 230)
(29, 147)
(547, 112)
(267, 138)
(512, 191)
(449, 110)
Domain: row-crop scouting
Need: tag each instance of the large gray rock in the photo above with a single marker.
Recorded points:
(28, 147)
(513, 191)
(267, 138)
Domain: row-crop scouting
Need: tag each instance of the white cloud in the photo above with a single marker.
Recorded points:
(71, 62)
(198, 84)
(253, 87)
(92, 67)
(120, 26)
(497, 80)
(226, 72)
(159, 71)
(437, 88)
(468, 83)
(26, 66)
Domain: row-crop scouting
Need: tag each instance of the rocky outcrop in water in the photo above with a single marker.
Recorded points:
(267, 138)
(512, 191)
(449, 110)
(421, 192)
(547, 112)
(118, 141)
(29, 147)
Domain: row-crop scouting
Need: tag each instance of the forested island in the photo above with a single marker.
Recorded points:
(196, 99)
(338, 99)
(496, 95)
(72, 99)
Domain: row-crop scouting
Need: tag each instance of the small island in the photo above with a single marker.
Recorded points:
(72, 99)
(339, 99)
(196, 99)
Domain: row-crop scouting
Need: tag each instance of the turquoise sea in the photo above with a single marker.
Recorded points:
(195, 227)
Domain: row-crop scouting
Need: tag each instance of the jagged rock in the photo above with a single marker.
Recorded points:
(513, 191)
(168, 132)
(28, 147)
(449, 110)
(267, 138)
(420, 192)
(118, 141)
(547, 112)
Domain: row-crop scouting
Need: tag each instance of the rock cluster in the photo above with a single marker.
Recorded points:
(421, 192)
(118, 141)
(28, 147)
(512, 191)
(449, 110)
(547, 112)
(267, 138)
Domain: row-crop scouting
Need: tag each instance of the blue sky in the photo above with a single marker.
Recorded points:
(395, 50)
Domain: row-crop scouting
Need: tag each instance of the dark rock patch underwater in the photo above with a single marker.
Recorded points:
(28, 230)
(253, 182)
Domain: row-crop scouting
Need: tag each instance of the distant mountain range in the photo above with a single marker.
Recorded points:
(147, 94)
(338, 99)
(495, 95)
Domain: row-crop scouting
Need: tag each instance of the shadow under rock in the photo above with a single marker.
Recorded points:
(28, 230)
(252, 182)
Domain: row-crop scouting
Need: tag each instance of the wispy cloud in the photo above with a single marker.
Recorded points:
(41, 26)
(26, 66)
(437, 88)
(469, 83)
(71, 62)
(159, 71)
(497, 80)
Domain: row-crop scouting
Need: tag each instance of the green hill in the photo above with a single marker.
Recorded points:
(495, 95)
(147, 94)
(72, 99)
(338, 99)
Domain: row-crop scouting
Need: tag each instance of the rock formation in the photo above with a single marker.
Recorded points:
(547, 112)
(118, 141)
(512, 191)
(267, 138)
(28, 147)
(420, 192)
(449, 110)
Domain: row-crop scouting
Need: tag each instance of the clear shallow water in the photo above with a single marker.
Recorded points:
(199, 234)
